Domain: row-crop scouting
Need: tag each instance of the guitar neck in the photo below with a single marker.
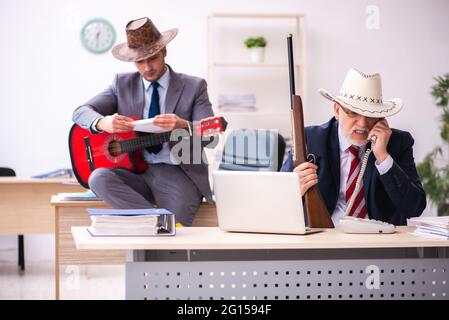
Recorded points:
(143, 142)
(204, 128)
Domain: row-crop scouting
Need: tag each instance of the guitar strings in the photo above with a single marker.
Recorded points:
(141, 142)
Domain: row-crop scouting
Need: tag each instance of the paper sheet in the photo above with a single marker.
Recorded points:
(146, 125)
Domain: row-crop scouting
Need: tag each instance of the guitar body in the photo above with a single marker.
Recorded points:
(99, 156)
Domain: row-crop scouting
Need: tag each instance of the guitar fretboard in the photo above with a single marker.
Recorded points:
(143, 142)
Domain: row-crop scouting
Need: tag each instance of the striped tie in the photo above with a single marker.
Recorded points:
(359, 207)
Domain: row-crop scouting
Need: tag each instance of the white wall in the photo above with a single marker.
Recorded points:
(46, 73)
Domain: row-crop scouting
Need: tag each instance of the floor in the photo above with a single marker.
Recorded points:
(77, 282)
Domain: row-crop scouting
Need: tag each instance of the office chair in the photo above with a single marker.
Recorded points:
(253, 150)
(8, 172)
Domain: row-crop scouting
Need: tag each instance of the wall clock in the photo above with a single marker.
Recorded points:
(98, 35)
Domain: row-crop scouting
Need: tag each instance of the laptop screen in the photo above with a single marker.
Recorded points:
(266, 202)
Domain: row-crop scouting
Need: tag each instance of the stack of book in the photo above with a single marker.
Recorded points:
(131, 222)
(434, 227)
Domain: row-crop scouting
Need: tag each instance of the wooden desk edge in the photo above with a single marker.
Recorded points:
(80, 235)
(17, 180)
(55, 201)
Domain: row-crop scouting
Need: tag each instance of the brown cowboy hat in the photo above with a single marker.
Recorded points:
(144, 40)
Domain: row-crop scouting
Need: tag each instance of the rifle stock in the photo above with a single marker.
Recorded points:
(317, 214)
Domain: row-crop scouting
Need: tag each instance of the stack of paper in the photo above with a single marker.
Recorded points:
(435, 227)
(132, 222)
(59, 173)
(237, 103)
(78, 196)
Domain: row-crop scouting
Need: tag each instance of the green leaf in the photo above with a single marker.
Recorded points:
(255, 42)
(440, 91)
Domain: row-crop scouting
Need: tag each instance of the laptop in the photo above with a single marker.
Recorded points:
(263, 202)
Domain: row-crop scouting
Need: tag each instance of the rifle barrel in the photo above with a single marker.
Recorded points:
(291, 68)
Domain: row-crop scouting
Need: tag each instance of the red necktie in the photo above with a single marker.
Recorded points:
(359, 207)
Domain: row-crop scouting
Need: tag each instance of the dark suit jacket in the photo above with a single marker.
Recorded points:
(187, 97)
(392, 197)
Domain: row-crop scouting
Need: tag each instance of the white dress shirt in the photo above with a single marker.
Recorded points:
(345, 166)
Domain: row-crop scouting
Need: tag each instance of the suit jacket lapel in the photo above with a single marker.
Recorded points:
(334, 156)
(174, 92)
(138, 96)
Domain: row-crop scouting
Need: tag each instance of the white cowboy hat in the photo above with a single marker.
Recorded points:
(362, 94)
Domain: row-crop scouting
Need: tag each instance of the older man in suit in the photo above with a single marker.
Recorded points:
(174, 100)
(390, 189)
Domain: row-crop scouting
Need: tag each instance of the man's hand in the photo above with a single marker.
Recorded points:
(170, 121)
(383, 133)
(307, 176)
(115, 124)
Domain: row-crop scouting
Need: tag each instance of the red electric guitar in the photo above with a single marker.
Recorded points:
(123, 150)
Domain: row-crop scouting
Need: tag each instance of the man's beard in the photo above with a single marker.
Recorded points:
(358, 144)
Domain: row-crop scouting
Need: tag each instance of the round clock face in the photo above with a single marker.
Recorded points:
(98, 36)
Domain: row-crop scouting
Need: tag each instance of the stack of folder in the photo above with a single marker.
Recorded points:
(131, 222)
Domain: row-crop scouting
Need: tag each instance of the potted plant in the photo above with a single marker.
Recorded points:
(434, 170)
(256, 46)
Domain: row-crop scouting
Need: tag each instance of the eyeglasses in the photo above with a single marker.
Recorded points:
(349, 113)
(353, 115)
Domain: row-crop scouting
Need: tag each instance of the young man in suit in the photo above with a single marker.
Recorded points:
(390, 189)
(174, 100)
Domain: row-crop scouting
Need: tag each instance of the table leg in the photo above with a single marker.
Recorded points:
(21, 253)
(57, 269)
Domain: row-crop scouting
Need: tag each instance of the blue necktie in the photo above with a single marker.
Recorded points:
(154, 111)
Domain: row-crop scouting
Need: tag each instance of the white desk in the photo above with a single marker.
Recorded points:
(204, 263)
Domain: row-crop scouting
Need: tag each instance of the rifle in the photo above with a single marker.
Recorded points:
(317, 215)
